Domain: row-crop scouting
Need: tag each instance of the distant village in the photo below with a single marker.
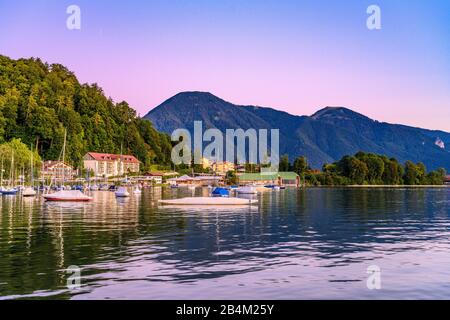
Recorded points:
(105, 166)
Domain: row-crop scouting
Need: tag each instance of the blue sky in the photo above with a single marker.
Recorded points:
(297, 56)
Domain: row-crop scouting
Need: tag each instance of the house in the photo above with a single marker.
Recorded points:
(57, 170)
(205, 180)
(220, 167)
(277, 178)
(447, 180)
(110, 165)
(155, 177)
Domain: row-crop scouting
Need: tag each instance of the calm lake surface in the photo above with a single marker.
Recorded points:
(295, 244)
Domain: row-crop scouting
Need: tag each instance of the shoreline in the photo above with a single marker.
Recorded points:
(385, 186)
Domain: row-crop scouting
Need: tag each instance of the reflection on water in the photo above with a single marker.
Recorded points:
(314, 243)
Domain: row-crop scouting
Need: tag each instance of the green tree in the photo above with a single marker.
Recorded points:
(231, 177)
(284, 163)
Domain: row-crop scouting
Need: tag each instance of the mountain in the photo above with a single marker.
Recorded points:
(324, 137)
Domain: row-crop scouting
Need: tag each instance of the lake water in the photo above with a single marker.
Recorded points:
(295, 244)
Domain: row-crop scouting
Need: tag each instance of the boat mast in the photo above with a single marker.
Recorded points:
(64, 158)
(120, 160)
(11, 170)
(32, 167)
(1, 179)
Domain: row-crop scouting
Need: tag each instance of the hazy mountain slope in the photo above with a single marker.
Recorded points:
(324, 137)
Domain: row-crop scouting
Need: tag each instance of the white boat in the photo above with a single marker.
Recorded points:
(68, 195)
(28, 192)
(137, 190)
(210, 201)
(122, 192)
(9, 191)
(247, 190)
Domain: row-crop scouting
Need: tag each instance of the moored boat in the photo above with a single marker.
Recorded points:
(68, 195)
(122, 192)
(28, 192)
(247, 190)
(137, 190)
(202, 201)
(9, 191)
(220, 192)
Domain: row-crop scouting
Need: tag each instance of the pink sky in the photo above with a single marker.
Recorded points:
(297, 57)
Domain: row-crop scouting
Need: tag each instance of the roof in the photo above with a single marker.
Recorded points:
(52, 163)
(200, 178)
(154, 174)
(267, 176)
(113, 157)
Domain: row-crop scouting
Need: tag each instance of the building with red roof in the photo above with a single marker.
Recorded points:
(57, 170)
(447, 180)
(110, 165)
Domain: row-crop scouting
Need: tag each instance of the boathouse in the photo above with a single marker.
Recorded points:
(276, 178)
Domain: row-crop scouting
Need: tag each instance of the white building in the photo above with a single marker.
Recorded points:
(110, 165)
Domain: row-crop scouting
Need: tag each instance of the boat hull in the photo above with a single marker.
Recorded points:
(208, 201)
(68, 196)
(122, 195)
(67, 200)
(9, 193)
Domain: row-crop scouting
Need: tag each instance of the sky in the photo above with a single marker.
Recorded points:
(296, 56)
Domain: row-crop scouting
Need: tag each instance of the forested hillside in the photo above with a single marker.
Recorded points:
(38, 101)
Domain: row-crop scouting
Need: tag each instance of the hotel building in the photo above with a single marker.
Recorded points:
(110, 165)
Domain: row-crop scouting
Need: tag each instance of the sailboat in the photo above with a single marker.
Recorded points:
(67, 195)
(11, 190)
(29, 191)
(247, 190)
(137, 190)
(1, 179)
(122, 192)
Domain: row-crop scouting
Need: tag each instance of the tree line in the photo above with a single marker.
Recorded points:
(364, 169)
(38, 101)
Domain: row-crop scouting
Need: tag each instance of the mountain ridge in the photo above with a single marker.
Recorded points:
(323, 137)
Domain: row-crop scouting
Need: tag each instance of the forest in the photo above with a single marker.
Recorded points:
(39, 101)
(364, 169)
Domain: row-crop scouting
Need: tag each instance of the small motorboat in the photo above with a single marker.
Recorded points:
(78, 187)
(28, 192)
(220, 192)
(122, 192)
(68, 196)
(10, 191)
(247, 190)
(173, 186)
(137, 190)
(208, 201)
